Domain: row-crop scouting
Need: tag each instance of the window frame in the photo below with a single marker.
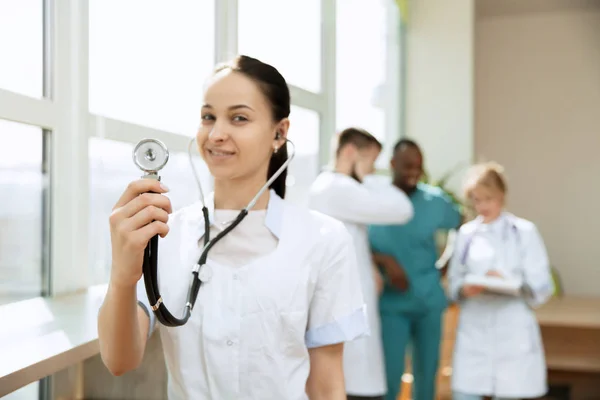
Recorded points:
(41, 113)
(65, 113)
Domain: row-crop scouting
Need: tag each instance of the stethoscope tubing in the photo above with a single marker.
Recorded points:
(150, 263)
(465, 254)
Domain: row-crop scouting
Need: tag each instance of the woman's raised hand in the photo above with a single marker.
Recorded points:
(141, 213)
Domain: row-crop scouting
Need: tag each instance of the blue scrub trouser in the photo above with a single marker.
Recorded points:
(424, 331)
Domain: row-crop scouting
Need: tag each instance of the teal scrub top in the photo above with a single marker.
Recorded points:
(413, 245)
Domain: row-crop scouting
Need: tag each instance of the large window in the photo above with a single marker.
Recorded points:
(286, 34)
(361, 65)
(23, 183)
(24, 157)
(111, 169)
(148, 61)
(142, 67)
(21, 46)
(126, 70)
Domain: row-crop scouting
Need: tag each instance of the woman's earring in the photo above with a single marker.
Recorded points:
(275, 150)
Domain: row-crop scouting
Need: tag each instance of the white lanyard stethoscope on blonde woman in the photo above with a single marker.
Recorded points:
(151, 155)
(508, 227)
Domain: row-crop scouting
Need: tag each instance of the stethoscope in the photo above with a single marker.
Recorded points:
(512, 227)
(151, 155)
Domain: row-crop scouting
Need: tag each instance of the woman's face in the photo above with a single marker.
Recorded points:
(488, 202)
(237, 136)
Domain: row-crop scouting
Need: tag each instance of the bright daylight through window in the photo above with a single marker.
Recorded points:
(291, 44)
(304, 133)
(152, 73)
(22, 212)
(361, 65)
(148, 81)
(22, 65)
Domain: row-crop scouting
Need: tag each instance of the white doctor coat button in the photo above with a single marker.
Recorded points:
(205, 273)
(230, 343)
(235, 277)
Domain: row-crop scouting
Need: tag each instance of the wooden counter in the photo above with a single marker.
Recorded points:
(572, 312)
(570, 329)
(571, 332)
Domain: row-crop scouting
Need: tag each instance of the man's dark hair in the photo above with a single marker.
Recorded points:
(358, 137)
(406, 142)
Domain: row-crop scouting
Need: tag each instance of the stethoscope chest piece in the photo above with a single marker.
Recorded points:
(150, 155)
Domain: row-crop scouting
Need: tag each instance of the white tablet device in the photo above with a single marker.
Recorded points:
(494, 284)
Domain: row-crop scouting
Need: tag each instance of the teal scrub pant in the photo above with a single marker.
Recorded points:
(464, 396)
(424, 332)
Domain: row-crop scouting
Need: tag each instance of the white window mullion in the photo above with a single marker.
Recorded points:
(305, 99)
(392, 90)
(27, 110)
(328, 78)
(113, 129)
(69, 170)
(226, 32)
(401, 76)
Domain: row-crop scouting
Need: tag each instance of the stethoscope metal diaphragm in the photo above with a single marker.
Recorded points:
(150, 155)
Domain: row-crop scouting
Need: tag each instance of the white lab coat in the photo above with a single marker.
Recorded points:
(250, 331)
(498, 349)
(375, 201)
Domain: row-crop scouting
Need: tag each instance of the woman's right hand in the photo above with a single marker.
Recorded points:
(141, 213)
(471, 290)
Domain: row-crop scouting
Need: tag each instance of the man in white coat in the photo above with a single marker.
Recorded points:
(352, 194)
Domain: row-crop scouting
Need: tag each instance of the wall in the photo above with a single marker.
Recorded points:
(537, 111)
(439, 82)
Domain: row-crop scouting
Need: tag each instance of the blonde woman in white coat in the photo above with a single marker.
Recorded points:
(498, 350)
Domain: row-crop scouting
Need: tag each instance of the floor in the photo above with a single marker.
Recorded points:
(443, 387)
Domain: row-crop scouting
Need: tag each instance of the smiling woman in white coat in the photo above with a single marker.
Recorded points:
(280, 293)
(358, 198)
(498, 274)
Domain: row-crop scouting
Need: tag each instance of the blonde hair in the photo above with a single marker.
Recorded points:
(489, 175)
